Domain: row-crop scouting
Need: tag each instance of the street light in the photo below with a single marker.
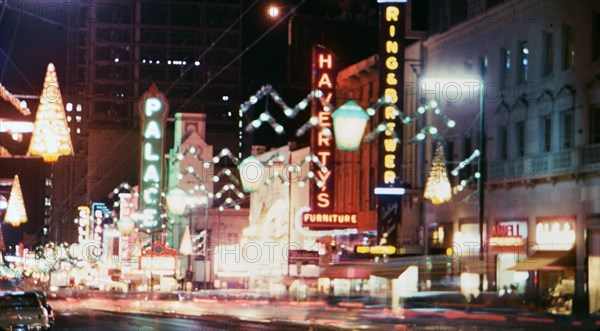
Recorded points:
(349, 122)
(251, 174)
(481, 154)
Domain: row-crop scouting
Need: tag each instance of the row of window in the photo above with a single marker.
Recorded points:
(567, 50)
(517, 136)
(566, 130)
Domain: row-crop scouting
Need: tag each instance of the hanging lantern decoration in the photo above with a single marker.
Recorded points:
(438, 188)
(177, 201)
(51, 135)
(15, 211)
(185, 248)
(125, 226)
(349, 122)
(251, 174)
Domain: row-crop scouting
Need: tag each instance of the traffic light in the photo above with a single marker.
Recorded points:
(200, 243)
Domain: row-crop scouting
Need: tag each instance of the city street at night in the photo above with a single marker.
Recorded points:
(300, 165)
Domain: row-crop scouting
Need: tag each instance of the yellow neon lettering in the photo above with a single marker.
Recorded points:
(390, 145)
(389, 113)
(391, 63)
(390, 79)
(392, 31)
(389, 161)
(391, 14)
(390, 128)
(392, 93)
(389, 177)
(391, 46)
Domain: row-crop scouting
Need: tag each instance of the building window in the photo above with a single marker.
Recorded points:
(595, 124)
(502, 143)
(595, 36)
(520, 131)
(546, 134)
(504, 67)
(567, 130)
(548, 54)
(568, 47)
(523, 64)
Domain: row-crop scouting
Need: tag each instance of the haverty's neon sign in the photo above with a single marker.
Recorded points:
(153, 109)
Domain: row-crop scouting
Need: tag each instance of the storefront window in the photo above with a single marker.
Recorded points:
(594, 270)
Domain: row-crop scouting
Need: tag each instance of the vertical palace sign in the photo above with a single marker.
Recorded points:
(391, 68)
(322, 214)
(153, 108)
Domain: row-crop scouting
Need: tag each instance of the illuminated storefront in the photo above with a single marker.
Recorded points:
(551, 263)
(508, 243)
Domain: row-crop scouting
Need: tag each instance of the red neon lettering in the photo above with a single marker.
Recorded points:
(325, 60)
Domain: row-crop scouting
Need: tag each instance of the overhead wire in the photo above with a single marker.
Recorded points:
(209, 80)
(198, 91)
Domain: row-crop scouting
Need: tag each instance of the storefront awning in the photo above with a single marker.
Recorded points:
(363, 271)
(389, 272)
(346, 272)
(546, 260)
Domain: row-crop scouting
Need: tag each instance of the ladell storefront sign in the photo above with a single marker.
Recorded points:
(154, 109)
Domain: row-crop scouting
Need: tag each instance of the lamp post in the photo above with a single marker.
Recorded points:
(274, 11)
(481, 162)
(177, 202)
(481, 154)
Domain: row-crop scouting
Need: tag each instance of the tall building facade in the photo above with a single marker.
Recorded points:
(541, 134)
(115, 51)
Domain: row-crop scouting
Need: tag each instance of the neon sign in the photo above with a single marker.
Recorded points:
(329, 220)
(153, 108)
(323, 146)
(391, 68)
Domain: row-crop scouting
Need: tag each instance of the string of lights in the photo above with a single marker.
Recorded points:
(289, 112)
(13, 100)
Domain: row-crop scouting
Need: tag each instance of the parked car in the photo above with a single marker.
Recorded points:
(22, 311)
(42, 295)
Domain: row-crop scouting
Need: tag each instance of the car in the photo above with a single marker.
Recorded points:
(23, 311)
(42, 295)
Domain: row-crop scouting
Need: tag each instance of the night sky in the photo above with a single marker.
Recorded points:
(34, 33)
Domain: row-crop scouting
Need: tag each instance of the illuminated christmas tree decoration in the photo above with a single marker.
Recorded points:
(438, 188)
(15, 212)
(51, 135)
